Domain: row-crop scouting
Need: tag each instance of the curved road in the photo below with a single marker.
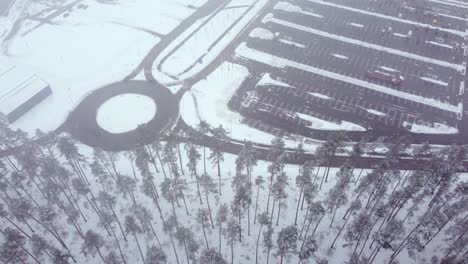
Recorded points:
(83, 126)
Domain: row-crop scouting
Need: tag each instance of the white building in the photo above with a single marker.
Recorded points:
(20, 91)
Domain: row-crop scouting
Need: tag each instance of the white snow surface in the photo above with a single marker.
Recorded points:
(339, 56)
(288, 7)
(437, 128)
(292, 43)
(320, 95)
(87, 49)
(375, 112)
(439, 82)
(356, 25)
(326, 125)
(262, 33)
(207, 101)
(278, 62)
(125, 112)
(439, 44)
(267, 80)
(400, 35)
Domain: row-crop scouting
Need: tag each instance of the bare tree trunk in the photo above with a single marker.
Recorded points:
(279, 211)
(219, 175)
(258, 240)
(209, 210)
(139, 247)
(198, 188)
(204, 234)
(180, 159)
(256, 205)
(298, 203)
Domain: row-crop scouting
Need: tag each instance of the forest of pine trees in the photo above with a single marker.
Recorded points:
(178, 202)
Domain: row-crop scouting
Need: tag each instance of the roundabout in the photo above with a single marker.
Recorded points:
(109, 117)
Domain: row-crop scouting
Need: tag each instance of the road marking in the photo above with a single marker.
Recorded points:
(281, 63)
(450, 3)
(453, 31)
(270, 18)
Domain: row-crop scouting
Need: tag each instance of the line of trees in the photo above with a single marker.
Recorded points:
(53, 198)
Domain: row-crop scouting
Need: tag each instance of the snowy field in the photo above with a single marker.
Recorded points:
(85, 48)
(333, 213)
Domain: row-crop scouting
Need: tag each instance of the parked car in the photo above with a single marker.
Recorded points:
(391, 77)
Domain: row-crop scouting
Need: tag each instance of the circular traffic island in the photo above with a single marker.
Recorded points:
(125, 112)
(124, 115)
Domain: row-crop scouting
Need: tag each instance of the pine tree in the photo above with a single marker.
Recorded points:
(193, 158)
(208, 186)
(186, 237)
(13, 248)
(204, 128)
(221, 217)
(308, 249)
(268, 240)
(127, 187)
(132, 227)
(93, 243)
(112, 258)
(303, 179)
(169, 226)
(202, 217)
(287, 242)
(39, 246)
(279, 192)
(259, 181)
(155, 255)
(60, 257)
(211, 256)
(217, 154)
(231, 232)
(242, 200)
(263, 220)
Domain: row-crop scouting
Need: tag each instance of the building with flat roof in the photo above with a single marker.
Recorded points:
(20, 91)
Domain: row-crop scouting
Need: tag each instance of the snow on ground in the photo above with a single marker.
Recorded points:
(439, 44)
(320, 95)
(356, 25)
(400, 35)
(267, 80)
(439, 82)
(437, 128)
(208, 99)
(125, 112)
(87, 49)
(339, 56)
(388, 69)
(278, 62)
(209, 41)
(262, 33)
(375, 112)
(271, 18)
(288, 7)
(292, 43)
(326, 125)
